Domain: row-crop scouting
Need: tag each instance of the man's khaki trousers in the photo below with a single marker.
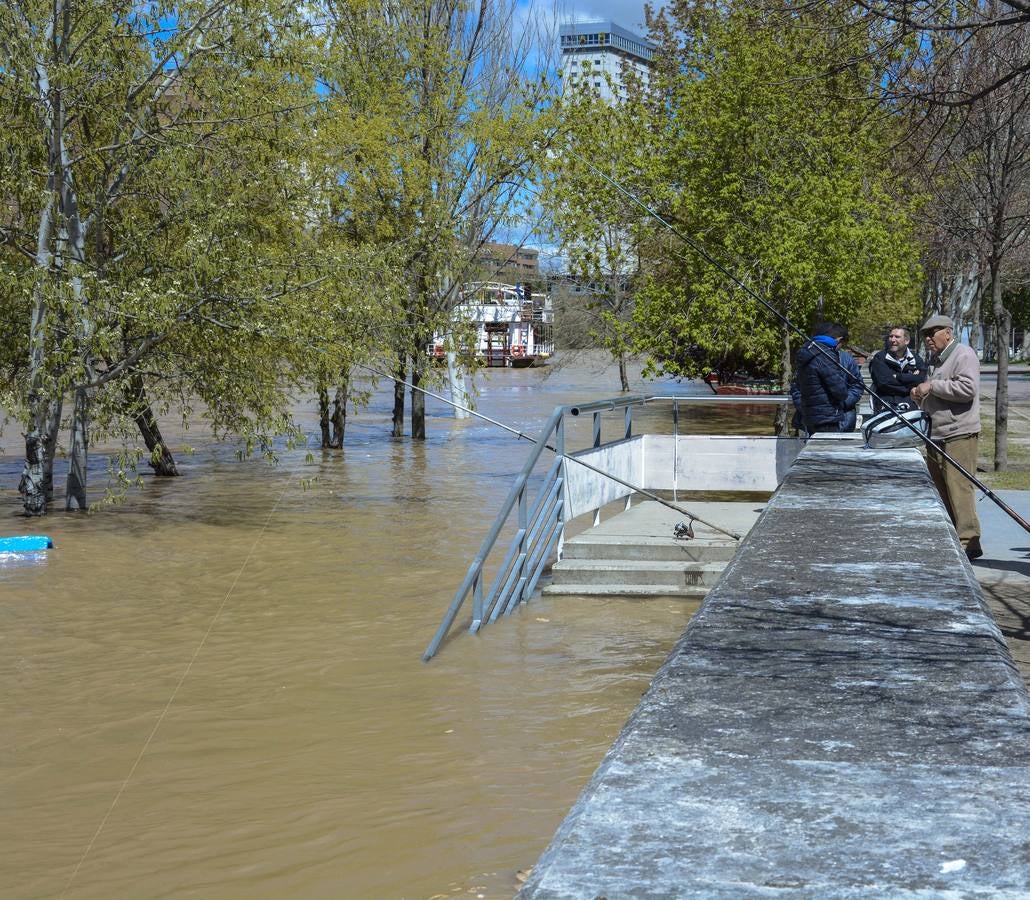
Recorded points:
(956, 491)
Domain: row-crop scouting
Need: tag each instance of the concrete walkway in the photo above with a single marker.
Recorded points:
(653, 521)
(1004, 573)
(1006, 545)
(840, 719)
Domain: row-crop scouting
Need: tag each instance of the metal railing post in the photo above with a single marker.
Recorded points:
(597, 443)
(675, 447)
(559, 445)
(628, 420)
(477, 603)
(520, 582)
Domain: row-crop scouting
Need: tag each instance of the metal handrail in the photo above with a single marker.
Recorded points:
(540, 525)
(514, 562)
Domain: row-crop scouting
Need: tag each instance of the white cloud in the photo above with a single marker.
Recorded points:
(627, 13)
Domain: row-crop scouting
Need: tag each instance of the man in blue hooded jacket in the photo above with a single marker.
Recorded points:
(821, 383)
(856, 385)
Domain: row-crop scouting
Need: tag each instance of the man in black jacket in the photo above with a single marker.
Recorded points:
(896, 370)
(821, 382)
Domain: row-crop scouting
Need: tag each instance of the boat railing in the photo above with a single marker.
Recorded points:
(535, 510)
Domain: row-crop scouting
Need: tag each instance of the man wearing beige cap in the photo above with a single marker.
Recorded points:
(951, 397)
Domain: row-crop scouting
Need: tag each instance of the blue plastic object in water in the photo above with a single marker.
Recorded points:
(25, 543)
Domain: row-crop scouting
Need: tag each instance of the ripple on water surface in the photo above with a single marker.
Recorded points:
(307, 751)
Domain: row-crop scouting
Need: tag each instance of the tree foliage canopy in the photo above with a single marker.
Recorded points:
(776, 171)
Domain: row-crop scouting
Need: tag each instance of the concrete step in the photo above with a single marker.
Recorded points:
(687, 592)
(659, 574)
(609, 546)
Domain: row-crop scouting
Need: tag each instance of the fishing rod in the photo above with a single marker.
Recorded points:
(686, 531)
(754, 295)
(693, 517)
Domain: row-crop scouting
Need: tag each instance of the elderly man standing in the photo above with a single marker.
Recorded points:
(951, 397)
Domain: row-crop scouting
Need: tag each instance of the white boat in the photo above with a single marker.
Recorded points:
(510, 326)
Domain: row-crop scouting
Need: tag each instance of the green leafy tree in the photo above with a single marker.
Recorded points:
(156, 204)
(778, 173)
(596, 225)
(448, 123)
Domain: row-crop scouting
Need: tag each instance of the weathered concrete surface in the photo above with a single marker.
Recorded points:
(840, 719)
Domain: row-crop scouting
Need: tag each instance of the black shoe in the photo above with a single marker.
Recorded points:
(973, 549)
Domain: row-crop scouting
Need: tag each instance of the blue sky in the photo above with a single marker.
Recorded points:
(547, 14)
(627, 13)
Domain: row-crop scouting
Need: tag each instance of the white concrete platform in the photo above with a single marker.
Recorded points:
(636, 553)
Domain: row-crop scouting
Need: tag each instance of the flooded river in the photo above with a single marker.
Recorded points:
(215, 688)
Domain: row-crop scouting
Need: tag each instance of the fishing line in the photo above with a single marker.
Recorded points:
(692, 516)
(522, 435)
(175, 692)
(754, 295)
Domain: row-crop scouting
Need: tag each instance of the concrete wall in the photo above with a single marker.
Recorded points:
(711, 462)
(586, 491)
(703, 463)
(840, 719)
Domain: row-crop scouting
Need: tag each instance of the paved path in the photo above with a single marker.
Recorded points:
(1006, 545)
(1004, 572)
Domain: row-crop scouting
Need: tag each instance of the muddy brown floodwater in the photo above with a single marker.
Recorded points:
(215, 689)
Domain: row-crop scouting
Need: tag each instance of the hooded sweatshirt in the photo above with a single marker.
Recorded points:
(822, 384)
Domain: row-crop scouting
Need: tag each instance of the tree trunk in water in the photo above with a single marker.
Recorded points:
(323, 417)
(398, 398)
(37, 478)
(31, 485)
(418, 402)
(53, 426)
(785, 412)
(161, 459)
(339, 416)
(1002, 321)
(79, 453)
(623, 377)
(456, 381)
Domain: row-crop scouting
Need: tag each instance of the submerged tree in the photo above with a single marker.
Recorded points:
(451, 113)
(154, 170)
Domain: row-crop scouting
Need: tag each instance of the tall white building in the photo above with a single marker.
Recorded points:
(593, 50)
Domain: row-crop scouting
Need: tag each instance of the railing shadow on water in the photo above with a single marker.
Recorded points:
(539, 511)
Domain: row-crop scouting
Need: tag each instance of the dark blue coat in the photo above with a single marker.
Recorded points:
(822, 385)
(855, 389)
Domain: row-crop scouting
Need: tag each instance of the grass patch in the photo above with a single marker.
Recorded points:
(1017, 476)
(1009, 480)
